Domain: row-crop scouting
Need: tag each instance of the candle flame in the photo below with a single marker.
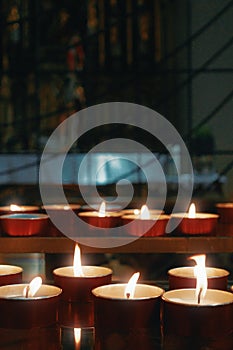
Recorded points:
(201, 276)
(145, 213)
(31, 289)
(77, 265)
(77, 338)
(131, 285)
(102, 210)
(14, 207)
(192, 211)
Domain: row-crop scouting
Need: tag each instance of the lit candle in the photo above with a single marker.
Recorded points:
(204, 316)
(77, 282)
(184, 277)
(146, 223)
(15, 208)
(127, 315)
(28, 305)
(101, 218)
(10, 274)
(195, 223)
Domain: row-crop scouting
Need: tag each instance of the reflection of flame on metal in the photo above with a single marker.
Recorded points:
(201, 276)
(14, 207)
(192, 211)
(102, 210)
(77, 338)
(77, 265)
(131, 285)
(145, 213)
(31, 289)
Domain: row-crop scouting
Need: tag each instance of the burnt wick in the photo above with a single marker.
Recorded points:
(199, 296)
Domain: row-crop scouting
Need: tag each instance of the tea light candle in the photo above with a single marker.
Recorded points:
(184, 277)
(195, 223)
(189, 324)
(101, 218)
(126, 319)
(14, 208)
(225, 211)
(10, 274)
(21, 309)
(146, 223)
(77, 282)
(61, 212)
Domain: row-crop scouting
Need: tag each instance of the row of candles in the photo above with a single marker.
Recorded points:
(85, 296)
(23, 220)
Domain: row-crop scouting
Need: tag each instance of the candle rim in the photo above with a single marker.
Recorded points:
(25, 216)
(187, 303)
(61, 206)
(57, 292)
(15, 267)
(159, 293)
(108, 214)
(185, 216)
(58, 271)
(228, 205)
(208, 268)
(153, 218)
(21, 207)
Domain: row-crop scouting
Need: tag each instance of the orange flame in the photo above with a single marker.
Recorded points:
(145, 213)
(131, 285)
(201, 275)
(31, 289)
(192, 211)
(14, 207)
(77, 265)
(102, 210)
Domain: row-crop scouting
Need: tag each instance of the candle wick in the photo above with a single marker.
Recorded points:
(27, 292)
(199, 296)
(127, 295)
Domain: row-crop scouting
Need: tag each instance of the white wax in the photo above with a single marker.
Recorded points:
(16, 291)
(9, 270)
(188, 272)
(213, 297)
(117, 291)
(88, 271)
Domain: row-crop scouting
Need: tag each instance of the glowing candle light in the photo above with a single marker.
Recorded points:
(131, 285)
(31, 289)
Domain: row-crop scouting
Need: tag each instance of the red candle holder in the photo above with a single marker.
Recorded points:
(201, 224)
(19, 312)
(187, 324)
(10, 274)
(62, 212)
(123, 323)
(183, 277)
(92, 218)
(225, 211)
(78, 288)
(23, 224)
(76, 306)
(155, 226)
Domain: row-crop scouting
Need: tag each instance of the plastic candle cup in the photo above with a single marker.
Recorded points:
(195, 223)
(77, 283)
(20, 309)
(145, 222)
(127, 320)
(100, 218)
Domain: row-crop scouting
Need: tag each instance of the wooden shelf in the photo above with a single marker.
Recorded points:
(211, 244)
